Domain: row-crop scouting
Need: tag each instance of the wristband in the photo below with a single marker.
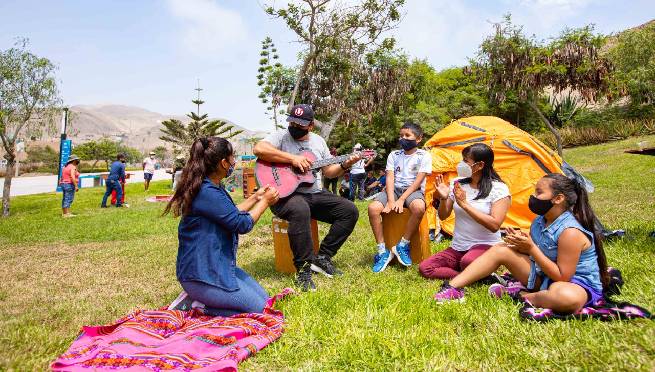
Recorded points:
(342, 167)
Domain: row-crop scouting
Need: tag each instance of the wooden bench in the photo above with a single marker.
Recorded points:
(283, 253)
(393, 225)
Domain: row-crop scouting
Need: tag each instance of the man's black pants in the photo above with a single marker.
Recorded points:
(299, 209)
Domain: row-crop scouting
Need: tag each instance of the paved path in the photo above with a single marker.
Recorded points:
(41, 184)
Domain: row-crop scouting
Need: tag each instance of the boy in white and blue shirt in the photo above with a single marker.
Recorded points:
(405, 188)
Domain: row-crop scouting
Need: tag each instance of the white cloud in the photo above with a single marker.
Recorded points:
(208, 27)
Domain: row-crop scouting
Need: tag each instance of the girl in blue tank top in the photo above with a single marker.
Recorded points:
(561, 261)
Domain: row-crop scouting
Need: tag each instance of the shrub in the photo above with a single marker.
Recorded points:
(609, 131)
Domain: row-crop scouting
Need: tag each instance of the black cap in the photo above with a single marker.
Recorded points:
(301, 114)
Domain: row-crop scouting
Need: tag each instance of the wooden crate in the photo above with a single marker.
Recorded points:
(249, 182)
(393, 225)
(283, 253)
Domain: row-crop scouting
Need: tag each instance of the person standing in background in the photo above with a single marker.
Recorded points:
(69, 179)
(331, 182)
(149, 164)
(116, 176)
(358, 176)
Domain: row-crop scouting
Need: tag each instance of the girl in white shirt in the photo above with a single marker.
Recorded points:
(480, 200)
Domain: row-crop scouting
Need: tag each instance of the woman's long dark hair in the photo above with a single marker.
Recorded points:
(204, 157)
(481, 152)
(578, 201)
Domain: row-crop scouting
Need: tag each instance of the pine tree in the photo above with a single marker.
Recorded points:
(183, 136)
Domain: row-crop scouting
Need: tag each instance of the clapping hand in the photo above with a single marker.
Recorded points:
(271, 195)
(259, 194)
(441, 188)
(518, 240)
(460, 195)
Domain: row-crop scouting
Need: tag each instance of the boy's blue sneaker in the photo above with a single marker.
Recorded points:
(402, 252)
(381, 260)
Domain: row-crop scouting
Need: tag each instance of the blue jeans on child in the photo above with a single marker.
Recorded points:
(113, 185)
(69, 194)
(249, 298)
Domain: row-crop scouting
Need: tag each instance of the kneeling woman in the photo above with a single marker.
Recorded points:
(480, 200)
(562, 260)
(209, 233)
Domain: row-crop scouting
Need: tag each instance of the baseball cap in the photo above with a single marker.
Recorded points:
(358, 146)
(153, 153)
(301, 114)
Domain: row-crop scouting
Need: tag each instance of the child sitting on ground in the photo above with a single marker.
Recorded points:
(405, 188)
(561, 261)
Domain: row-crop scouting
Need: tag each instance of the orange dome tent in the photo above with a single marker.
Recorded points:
(519, 158)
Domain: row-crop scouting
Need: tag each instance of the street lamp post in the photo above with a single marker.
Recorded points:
(64, 145)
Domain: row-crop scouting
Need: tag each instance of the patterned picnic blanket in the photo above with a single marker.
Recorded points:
(162, 340)
(604, 309)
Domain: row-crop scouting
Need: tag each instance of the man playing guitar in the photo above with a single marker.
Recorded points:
(309, 201)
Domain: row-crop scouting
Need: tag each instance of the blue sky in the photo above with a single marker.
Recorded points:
(149, 53)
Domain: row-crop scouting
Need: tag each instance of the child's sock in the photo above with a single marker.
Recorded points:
(404, 241)
(381, 248)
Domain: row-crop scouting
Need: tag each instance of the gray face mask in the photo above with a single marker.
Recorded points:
(464, 170)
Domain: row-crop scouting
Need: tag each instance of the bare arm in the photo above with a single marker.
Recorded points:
(247, 204)
(493, 221)
(445, 208)
(413, 187)
(569, 246)
(266, 151)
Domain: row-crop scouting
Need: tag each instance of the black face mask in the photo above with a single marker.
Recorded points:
(539, 206)
(297, 133)
(407, 144)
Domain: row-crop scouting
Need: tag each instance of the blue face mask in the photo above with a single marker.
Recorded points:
(230, 170)
(407, 144)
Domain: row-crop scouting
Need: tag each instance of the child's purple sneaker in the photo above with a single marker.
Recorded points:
(498, 290)
(448, 293)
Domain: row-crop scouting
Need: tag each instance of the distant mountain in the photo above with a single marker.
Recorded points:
(136, 126)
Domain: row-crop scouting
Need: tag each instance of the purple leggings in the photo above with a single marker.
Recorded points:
(449, 262)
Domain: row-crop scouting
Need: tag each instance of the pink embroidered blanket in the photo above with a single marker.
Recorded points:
(174, 340)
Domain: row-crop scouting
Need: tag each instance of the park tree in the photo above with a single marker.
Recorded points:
(342, 70)
(510, 63)
(28, 100)
(633, 54)
(275, 81)
(183, 135)
(45, 156)
(106, 150)
(161, 152)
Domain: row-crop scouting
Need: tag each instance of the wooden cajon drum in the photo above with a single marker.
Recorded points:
(283, 253)
(393, 225)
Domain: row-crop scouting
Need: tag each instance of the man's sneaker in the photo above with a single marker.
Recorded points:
(381, 260)
(304, 278)
(448, 293)
(498, 290)
(323, 264)
(402, 253)
(182, 302)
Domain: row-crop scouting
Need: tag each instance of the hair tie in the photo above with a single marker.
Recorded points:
(204, 142)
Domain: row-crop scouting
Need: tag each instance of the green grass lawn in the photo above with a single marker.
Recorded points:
(59, 274)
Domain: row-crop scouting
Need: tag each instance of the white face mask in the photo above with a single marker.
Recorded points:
(464, 170)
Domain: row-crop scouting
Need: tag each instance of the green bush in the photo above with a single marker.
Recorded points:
(611, 130)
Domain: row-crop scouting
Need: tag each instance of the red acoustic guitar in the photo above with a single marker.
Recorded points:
(286, 179)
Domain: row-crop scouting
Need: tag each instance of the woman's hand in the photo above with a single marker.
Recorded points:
(441, 188)
(259, 194)
(271, 195)
(519, 241)
(460, 195)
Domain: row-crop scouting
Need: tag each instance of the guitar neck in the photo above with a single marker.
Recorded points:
(322, 163)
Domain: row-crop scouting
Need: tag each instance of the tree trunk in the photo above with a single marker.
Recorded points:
(299, 77)
(553, 130)
(9, 174)
(326, 127)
